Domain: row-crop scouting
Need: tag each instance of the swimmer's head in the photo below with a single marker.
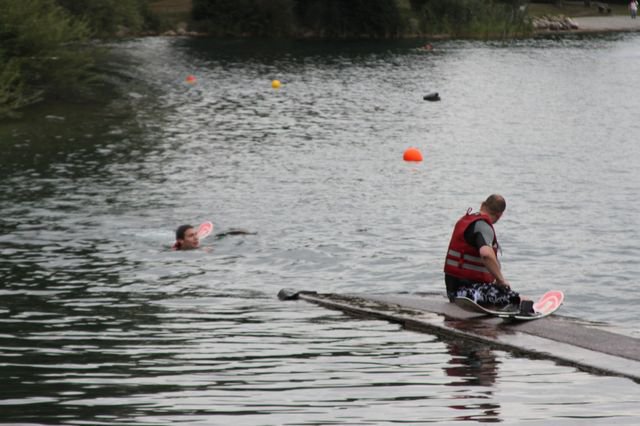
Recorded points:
(186, 238)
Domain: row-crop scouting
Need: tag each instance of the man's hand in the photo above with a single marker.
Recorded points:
(503, 284)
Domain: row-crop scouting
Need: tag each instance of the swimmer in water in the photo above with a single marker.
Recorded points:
(186, 238)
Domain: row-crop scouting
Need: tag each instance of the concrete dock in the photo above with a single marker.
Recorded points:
(566, 340)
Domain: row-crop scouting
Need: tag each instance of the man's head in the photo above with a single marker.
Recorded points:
(186, 238)
(494, 206)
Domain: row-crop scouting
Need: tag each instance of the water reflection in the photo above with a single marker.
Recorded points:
(474, 366)
(198, 356)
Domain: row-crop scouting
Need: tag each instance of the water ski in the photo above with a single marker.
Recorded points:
(204, 230)
(546, 305)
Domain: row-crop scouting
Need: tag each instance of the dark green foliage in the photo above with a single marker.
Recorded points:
(359, 18)
(44, 48)
(39, 53)
(349, 18)
(245, 17)
(328, 18)
(13, 94)
(471, 18)
(107, 17)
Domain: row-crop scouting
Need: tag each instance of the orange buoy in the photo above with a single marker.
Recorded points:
(412, 154)
(276, 84)
(190, 79)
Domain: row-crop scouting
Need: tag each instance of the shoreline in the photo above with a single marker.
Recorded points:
(615, 23)
(596, 24)
(585, 25)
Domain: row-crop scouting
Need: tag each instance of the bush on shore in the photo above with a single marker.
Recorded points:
(108, 17)
(360, 18)
(40, 51)
(45, 51)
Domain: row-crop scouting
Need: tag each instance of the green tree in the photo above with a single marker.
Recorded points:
(39, 53)
(107, 17)
(275, 18)
(349, 18)
(245, 17)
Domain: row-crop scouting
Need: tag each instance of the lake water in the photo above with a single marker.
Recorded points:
(102, 324)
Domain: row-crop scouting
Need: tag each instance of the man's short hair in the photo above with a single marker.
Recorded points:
(181, 230)
(495, 203)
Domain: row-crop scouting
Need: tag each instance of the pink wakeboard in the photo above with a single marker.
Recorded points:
(204, 230)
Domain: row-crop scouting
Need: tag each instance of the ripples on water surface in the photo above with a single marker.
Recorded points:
(102, 324)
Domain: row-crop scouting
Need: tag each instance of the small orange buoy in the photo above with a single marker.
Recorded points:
(275, 84)
(412, 154)
(190, 79)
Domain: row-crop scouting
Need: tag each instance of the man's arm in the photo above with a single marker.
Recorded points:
(490, 261)
(481, 236)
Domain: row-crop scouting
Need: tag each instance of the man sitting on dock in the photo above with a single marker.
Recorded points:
(471, 267)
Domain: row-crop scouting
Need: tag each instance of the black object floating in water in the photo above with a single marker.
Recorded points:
(433, 96)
